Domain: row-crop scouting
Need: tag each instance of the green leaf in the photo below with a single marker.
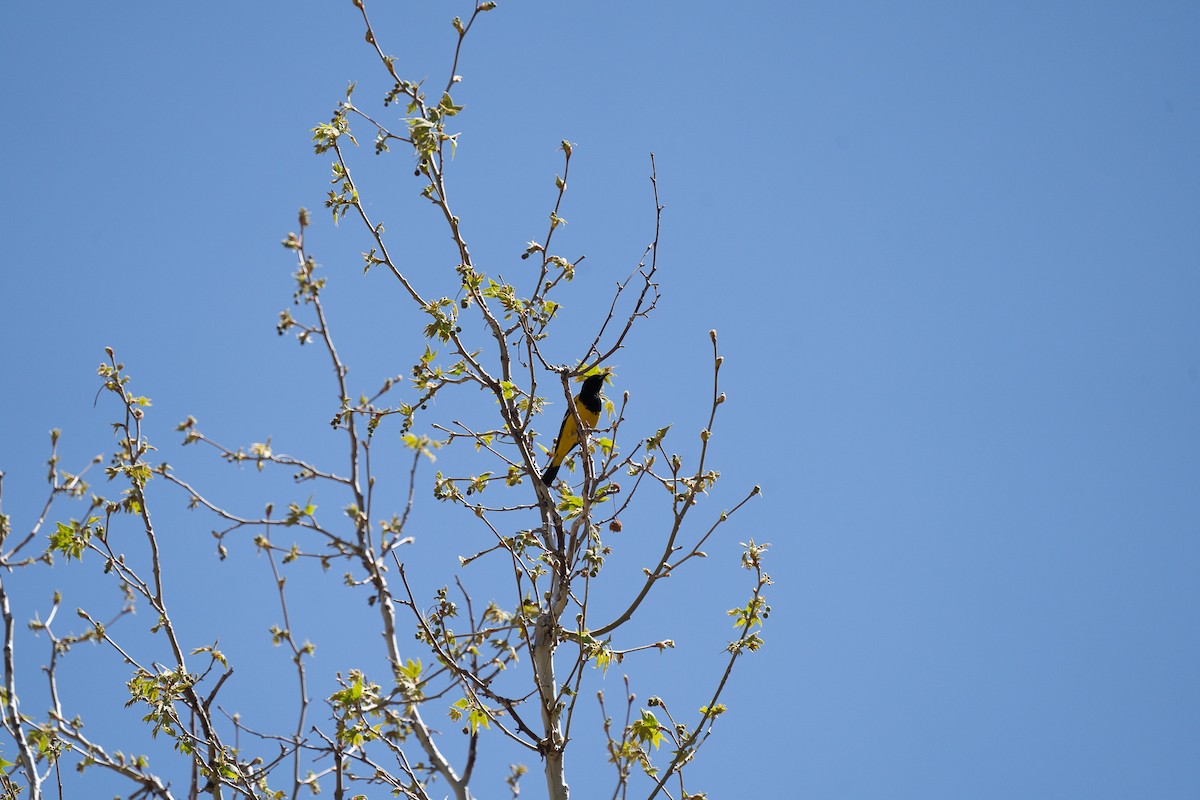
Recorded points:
(647, 729)
(656, 440)
(412, 669)
(447, 105)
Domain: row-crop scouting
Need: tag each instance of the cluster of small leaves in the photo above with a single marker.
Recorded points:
(476, 713)
(363, 714)
(647, 729)
(629, 750)
(429, 377)
(160, 692)
(188, 429)
(409, 680)
(127, 459)
(326, 134)
(344, 196)
(751, 616)
(428, 129)
(595, 553)
(445, 489)
(435, 631)
(444, 324)
(72, 538)
(47, 745)
(570, 504)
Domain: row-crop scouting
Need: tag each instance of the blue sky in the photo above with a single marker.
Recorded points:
(951, 250)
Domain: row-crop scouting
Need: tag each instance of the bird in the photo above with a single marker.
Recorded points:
(587, 404)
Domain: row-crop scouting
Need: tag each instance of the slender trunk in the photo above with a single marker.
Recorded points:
(12, 716)
(552, 744)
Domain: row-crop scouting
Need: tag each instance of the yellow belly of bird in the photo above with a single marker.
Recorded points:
(568, 437)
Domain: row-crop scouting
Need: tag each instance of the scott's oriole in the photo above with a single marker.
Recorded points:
(587, 403)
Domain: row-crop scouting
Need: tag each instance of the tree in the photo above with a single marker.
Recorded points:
(511, 673)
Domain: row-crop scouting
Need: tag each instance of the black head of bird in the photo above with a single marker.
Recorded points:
(592, 384)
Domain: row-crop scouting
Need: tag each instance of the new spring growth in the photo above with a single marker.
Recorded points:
(721, 398)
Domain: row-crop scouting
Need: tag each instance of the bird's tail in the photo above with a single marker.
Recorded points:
(550, 474)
